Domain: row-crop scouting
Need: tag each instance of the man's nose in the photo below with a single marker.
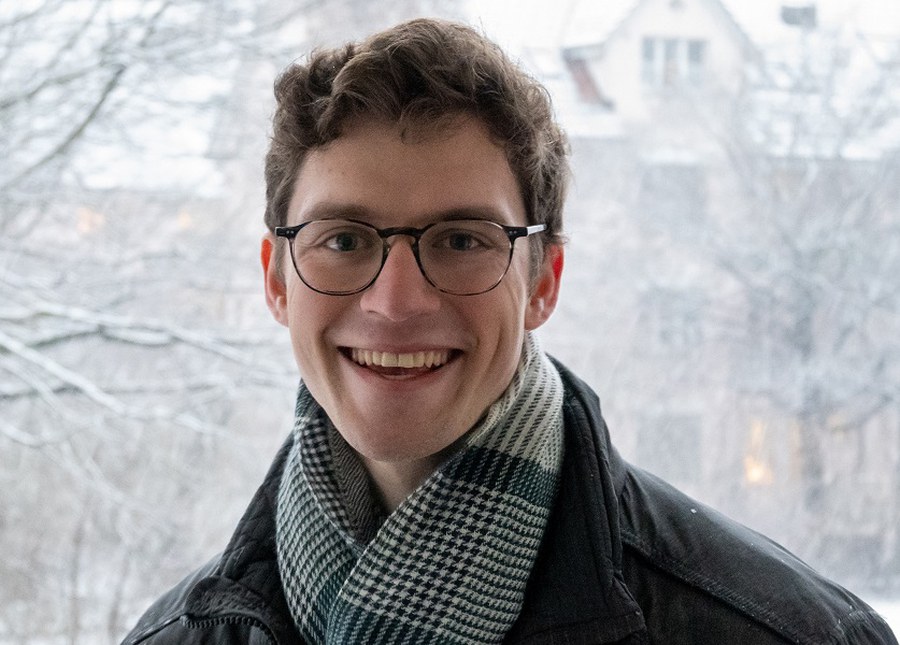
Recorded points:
(401, 291)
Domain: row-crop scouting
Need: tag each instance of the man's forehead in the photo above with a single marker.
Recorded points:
(377, 170)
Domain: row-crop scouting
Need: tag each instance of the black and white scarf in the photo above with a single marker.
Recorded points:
(450, 564)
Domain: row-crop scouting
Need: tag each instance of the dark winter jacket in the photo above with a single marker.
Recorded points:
(626, 559)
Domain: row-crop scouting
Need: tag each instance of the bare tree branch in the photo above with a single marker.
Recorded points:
(79, 382)
(75, 134)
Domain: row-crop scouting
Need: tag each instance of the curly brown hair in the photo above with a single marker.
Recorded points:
(420, 73)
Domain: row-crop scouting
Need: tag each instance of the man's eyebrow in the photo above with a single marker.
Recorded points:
(473, 212)
(334, 210)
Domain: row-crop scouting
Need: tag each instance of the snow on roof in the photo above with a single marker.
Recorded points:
(592, 22)
(517, 25)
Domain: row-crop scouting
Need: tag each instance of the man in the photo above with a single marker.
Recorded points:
(445, 481)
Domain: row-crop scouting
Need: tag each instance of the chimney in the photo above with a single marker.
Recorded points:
(799, 14)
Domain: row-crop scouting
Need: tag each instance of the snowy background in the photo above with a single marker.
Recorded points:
(731, 284)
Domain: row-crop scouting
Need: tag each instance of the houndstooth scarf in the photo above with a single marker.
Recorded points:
(450, 564)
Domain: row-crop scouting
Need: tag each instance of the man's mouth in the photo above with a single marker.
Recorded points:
(400, 364)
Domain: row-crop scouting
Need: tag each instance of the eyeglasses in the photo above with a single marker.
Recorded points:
(340, 257)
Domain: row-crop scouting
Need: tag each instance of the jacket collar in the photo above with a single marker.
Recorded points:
(577, 592)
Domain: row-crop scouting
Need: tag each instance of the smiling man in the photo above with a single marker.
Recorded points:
(406, 365)
(445, 481)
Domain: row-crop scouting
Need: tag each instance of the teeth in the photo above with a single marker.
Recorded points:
(411, 360)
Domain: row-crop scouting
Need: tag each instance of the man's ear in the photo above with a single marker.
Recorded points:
(546, 289)
(273, 274)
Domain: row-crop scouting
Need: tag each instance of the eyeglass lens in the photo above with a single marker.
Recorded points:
(459, 257)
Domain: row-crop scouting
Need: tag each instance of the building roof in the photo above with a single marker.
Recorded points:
(867, 29)
(591, 22)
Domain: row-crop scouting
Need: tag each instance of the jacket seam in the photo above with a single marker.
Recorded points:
(626, 620)
(577, 408)
(725, 594)
(155, 628)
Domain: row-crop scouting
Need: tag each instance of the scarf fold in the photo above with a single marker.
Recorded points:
(450, 564)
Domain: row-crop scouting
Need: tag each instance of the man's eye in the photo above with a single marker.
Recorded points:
(345, 241)
(460, 241)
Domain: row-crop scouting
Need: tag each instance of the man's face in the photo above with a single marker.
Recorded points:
(394, 414)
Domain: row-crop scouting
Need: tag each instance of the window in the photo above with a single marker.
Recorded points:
(803, 15)
(649, 67)
(672, 62)
(696, 53)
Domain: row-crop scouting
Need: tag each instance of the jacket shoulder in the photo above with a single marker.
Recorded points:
(692, 564)
(693, 572)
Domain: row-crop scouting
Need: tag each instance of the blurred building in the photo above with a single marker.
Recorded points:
(734, 251)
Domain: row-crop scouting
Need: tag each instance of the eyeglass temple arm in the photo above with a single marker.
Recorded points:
(525, 231)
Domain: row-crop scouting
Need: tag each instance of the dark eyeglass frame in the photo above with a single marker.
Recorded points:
(512, 232)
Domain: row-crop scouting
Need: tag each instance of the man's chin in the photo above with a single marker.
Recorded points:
(393, 446)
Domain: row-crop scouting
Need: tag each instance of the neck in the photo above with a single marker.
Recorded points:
(395, 481)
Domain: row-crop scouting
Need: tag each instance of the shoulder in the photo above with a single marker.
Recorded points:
(693, 564)
(695, 572)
